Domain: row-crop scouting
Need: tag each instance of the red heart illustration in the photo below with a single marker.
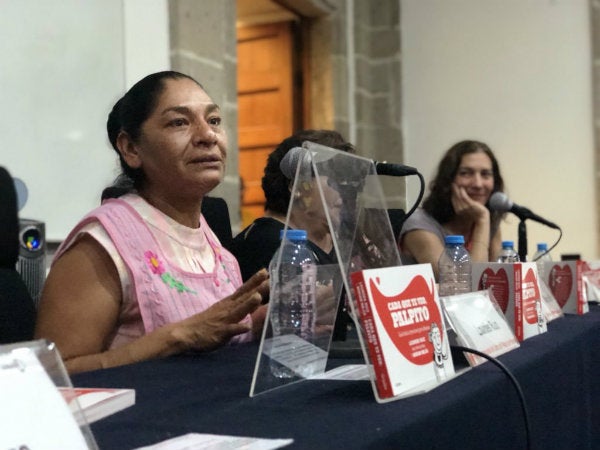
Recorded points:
(530, 297)
(561, 283)
(408, 318)
(498, 282)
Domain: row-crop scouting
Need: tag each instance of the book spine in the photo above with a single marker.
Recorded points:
(382, 379)
(581, 299)
(518, 293)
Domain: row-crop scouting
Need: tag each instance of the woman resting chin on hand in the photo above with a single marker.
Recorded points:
(467, 176)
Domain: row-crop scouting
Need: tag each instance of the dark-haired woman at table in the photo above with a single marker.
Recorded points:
(467, 176)
(143, 276)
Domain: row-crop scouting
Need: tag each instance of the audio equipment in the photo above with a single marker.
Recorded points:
(31, 264)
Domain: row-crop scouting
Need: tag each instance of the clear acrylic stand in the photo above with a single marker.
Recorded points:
(287, 358)
(48, 356)
(351, 201)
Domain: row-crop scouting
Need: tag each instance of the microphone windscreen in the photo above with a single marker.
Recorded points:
(499, 201)
(22, 193)
(290, 161)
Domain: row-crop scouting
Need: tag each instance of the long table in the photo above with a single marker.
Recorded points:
(559, 373)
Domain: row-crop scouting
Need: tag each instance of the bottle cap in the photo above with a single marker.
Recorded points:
(454, 239)
(508, 244)
(293, 235)
(542, 246)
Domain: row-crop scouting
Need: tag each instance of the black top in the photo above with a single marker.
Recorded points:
(256, 244)
(9, 221)
(216, 214)
(17, 312)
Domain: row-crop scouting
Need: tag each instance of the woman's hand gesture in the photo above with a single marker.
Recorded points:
(223, 320)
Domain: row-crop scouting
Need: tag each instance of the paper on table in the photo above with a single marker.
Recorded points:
(295, 353)
(98, 403)
(347, 372)
(479, 324)
(197, 441)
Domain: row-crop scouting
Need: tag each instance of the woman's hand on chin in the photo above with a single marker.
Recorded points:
(465, 207)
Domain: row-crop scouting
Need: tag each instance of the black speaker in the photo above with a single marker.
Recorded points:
(32, 256)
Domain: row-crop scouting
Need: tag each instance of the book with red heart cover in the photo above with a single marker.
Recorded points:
(591, 280)
(566, 281)
(516, 290)
(402, 329)
(98, 403)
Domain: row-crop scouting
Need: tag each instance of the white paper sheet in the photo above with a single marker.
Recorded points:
(348, 372)
(196, 441)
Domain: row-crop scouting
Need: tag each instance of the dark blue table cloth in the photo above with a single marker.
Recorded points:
(559, 373)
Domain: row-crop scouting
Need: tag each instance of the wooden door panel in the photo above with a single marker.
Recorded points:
(265, 104)
(266, 119)
(263, 58)
(252, 164)
(250, 212)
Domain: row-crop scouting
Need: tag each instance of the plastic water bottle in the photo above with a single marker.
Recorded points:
(293, 274)
(454, 267)
(541, 257)
(508, 253)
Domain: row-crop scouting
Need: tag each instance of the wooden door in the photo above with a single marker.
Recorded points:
(265, 104)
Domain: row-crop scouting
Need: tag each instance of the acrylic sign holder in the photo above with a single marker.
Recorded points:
(344, 191)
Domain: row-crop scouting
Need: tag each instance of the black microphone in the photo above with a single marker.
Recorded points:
(290, 161)
(394, 170)
(500, 202)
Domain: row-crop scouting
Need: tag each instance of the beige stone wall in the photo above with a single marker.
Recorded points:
(370, 79)
(203, 45)
(595, 31)
(377, 89)
(362, 79)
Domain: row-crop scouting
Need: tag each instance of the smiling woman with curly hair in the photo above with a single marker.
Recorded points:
(467, 176)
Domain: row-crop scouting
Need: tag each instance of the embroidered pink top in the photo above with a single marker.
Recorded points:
(166, 272)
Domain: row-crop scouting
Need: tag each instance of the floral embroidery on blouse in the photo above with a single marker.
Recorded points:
(157, 268)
